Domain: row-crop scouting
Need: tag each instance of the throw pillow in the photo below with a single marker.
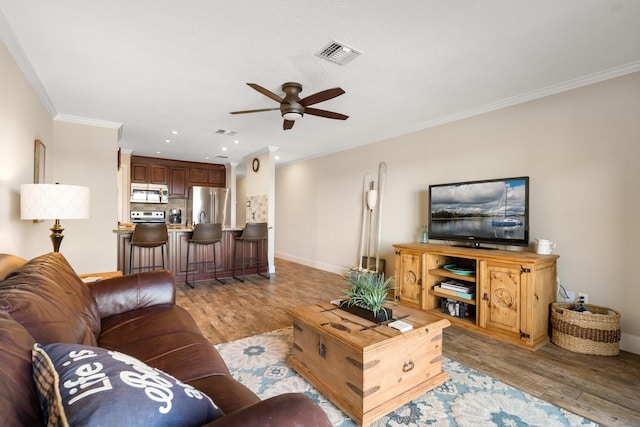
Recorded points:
(83, 385)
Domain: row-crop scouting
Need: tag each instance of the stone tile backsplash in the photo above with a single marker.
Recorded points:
(257, 207)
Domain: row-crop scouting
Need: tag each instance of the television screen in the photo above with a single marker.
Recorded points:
(489, 211)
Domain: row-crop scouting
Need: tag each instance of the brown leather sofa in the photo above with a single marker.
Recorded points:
(135, 315)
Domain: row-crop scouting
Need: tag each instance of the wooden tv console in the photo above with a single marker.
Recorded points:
(513, 290)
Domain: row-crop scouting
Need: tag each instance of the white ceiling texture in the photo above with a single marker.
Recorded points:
(157, 66)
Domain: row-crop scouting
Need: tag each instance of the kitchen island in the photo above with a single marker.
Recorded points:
(176, 253)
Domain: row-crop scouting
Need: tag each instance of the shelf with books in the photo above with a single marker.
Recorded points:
(469, 298)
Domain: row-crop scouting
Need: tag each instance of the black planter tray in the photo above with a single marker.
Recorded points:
(384, 314)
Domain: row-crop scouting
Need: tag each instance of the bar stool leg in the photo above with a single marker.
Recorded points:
(259, 262)
(215, 264)
(235, 259)
(132, 249)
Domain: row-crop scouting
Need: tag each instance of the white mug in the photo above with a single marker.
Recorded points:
(544, 246)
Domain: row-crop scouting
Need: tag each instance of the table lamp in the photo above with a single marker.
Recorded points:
(54, 201)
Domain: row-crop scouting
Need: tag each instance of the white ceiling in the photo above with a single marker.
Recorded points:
(161, 65)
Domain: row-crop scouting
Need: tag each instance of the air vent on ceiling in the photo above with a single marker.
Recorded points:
(338, 53)
(222, 157)
(226, 132)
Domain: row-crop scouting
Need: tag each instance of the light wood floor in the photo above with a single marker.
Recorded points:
(603, 389)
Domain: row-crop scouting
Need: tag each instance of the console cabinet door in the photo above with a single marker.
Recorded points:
(501, 297)
(409, 280)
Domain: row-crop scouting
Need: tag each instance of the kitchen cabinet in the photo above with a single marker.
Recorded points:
(139, 172)
(177, 175)
(178, 184)
(158, 174)
(513, 289)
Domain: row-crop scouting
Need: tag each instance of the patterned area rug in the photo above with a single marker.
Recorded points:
(468, 398)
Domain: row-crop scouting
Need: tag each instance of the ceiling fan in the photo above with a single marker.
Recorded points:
(293, 108)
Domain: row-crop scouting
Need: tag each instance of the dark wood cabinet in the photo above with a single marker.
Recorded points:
(198, 176)
(176, 174)
(139, 172)
(159, 174)
(217, 177)
(178, 185)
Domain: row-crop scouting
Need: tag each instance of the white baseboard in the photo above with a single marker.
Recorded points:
(630, 343)
(341, 270)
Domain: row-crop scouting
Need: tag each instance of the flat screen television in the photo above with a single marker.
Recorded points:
(494, 211)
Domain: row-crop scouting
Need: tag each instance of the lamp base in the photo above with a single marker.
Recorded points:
(56, 235)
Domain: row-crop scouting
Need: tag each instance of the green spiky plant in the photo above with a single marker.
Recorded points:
(367, 289)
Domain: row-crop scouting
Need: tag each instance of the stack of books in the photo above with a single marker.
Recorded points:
(457, 289)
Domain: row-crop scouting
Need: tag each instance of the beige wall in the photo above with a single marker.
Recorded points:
(22, 120)
(580, 148)
(87, 155)
(77, 153)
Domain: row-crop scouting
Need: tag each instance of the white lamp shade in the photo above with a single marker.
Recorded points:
(54, 201)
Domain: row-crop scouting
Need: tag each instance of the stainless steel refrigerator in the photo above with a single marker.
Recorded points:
(209, 205)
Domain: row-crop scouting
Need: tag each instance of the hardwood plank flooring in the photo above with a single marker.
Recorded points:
(603, 389)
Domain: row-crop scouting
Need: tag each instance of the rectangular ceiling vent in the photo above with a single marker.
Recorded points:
(226, 132)
(338, 53)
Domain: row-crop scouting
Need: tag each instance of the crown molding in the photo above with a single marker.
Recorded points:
(87, 121)
(15, 49)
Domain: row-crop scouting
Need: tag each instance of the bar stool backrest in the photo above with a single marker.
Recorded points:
(254, 231)
(206, 234)
(149, 235)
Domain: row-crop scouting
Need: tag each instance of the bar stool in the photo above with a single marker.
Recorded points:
(254, 232)
(148, 235)
(205, 235)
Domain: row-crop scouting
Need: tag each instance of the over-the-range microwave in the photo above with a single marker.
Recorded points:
(149, 193)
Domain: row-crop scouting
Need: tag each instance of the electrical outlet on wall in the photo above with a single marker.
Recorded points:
(569, 297)
(583, 297)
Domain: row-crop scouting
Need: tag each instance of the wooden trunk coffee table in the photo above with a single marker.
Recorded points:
(367, 370)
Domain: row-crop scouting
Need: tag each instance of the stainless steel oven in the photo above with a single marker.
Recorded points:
(147, 216)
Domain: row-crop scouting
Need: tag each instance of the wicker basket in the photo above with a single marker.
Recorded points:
(597, 333)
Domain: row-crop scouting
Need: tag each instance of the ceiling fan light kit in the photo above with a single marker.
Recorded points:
(291, 116)
(292, 107)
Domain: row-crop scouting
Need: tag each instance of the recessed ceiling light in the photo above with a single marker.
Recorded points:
(157, 152)
(167, 141)
(224, 148)
(277, 157)
(174, 132)
(235, 141)
(206, 158)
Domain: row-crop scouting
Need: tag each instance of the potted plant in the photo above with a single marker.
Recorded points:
(366, 295)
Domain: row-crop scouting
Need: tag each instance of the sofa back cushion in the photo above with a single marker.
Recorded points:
(49, 299)
(18, 398)
(8, 263)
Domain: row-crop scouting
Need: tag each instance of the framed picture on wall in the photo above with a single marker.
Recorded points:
(39, 162)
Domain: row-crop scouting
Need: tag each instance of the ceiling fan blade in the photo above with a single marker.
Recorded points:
(266, 92)
(288, 124)
(325, 113)
(321, 96)
(253, 111)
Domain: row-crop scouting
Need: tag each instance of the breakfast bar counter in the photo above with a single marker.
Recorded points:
(176, 253)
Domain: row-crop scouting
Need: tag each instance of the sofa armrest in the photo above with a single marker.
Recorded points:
(118, 295)
(285, 410)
